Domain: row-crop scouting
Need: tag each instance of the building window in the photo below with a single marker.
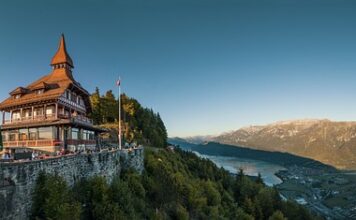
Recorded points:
(81, 101)
(13, 135)
(50, 111)
(74, 98)
(5, 136)
(75, 133)
(16, 116)
(17, 96)
(85, 135)
(55, 133)
(67, 94)
(66, 113)
(27, 113)
(39, 91)
(38, 112)
(45, 133)
(23, 134)
(32, 134)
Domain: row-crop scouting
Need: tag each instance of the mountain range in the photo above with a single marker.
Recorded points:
(330, 142)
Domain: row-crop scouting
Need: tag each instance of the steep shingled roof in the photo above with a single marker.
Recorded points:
(62, 55)
(54, 85)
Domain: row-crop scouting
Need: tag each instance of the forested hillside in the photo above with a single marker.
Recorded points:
(175, 185)
(139, 124)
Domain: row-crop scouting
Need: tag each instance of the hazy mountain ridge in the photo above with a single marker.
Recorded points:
(330, 142)
(196, 139)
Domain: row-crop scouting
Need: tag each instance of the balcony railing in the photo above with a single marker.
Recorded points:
(39, 118)
(33, 143)
(71, 103)
(83, 119)
(46, 143)
(30, 119)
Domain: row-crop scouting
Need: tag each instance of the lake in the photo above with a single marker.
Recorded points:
(251, 167)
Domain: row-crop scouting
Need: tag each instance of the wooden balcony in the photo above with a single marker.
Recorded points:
(71, 103)
(82, 119)
(33, 143)
(30, 119)
(42, 118)
(52, 143)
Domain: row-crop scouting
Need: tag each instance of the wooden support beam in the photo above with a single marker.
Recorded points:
(56, 110)
(21, 111)
(45, 111)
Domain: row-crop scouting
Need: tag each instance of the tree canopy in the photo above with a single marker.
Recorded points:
(139, 124)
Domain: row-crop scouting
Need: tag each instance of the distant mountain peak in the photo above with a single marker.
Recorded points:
(331, 142)
(300, 121)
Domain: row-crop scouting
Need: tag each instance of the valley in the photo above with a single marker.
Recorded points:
(330, 142)
(321, 188)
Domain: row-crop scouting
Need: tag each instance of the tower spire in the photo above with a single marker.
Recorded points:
(62, 59)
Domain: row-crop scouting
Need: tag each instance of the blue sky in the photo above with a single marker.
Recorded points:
(207, 66)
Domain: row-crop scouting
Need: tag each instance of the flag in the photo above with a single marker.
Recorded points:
(118, 82)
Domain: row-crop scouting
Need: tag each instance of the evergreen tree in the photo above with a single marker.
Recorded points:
(96, 104)
(277, 215)
(53, 199)
(109, 107)
(259, 179)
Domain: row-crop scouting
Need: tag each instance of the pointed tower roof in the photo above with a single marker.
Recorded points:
(53, 85)
(62, 56)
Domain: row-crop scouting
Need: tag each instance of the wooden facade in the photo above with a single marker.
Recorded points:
(50, 114)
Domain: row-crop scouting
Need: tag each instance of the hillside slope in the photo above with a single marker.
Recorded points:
(175, 184)
(332, 143)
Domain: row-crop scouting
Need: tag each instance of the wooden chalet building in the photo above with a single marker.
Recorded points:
(50, 114)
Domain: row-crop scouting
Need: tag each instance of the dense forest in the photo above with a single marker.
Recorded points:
(139, 124)
(175, 185)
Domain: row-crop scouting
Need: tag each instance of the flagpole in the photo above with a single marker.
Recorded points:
(119, 113)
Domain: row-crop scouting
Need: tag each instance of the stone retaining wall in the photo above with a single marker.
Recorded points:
(17, 180)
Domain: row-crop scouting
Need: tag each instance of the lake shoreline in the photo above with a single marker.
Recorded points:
(250, 167)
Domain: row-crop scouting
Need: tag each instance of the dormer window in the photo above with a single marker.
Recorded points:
(40, 91)
(18, 92)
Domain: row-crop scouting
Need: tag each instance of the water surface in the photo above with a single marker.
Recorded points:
(249, 166)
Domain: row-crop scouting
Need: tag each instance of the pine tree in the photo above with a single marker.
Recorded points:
(277, 215)
(110, 107)
(259, 179)
(96, 104)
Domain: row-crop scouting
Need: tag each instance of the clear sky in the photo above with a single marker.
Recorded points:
(207, 66)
